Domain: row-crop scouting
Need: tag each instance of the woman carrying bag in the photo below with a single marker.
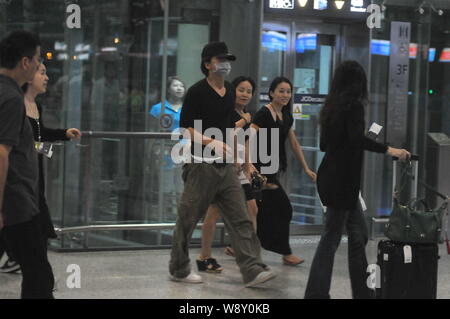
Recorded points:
(343, 140)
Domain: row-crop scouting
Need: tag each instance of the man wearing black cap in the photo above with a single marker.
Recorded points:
(207, 179)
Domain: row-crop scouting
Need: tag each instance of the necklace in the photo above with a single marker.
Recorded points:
(277, 114)
(38, 129)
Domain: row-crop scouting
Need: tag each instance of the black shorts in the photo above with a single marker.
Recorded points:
(249, 193)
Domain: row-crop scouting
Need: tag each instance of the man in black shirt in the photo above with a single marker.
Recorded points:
(19, 61)
(209, 106)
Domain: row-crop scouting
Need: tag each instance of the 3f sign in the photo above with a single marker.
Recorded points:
(374, 19)
(74, 279)
(74, 19)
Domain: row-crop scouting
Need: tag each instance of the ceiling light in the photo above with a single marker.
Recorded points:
(339, 4)
(302, 3)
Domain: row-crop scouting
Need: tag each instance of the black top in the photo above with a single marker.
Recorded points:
(264, 119)
(343, 141)
(203, 103)
(237, 117)
(20, 201)
(43, 134)
(46, 134)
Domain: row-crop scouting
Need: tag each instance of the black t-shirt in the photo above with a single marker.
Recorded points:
(264, 119)
(203, 103)
(237, 117)
(20, 201)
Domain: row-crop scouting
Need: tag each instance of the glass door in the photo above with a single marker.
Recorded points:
(314, 59)
(275, 45)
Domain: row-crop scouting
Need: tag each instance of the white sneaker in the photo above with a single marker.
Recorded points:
(192, 278)
(261, 278)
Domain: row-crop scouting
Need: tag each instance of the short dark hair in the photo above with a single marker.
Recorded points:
(17, 45)
(241, 79)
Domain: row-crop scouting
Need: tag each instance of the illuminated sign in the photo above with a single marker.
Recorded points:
(82, 47)
(281, 4)
(380, 47)
(445, 55)
(60, 46)
(431, 54)
(306, 41)
(320, 4)
(274, 41)
(383, 47)
(413, 50)
(357, 6)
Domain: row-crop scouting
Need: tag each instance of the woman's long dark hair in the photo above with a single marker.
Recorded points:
(273, 86)
(348, 88)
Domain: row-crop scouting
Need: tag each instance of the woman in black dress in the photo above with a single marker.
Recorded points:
(343, 140)
(43, 134)
(275, 210)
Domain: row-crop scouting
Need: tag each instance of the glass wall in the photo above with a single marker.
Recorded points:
(427, 105)
(111, 75)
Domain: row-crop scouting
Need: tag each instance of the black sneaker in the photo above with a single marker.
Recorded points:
(9, 265)
(209, 265)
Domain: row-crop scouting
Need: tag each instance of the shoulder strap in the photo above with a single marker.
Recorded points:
(406, 172)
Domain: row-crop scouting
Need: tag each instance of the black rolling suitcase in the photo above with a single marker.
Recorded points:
(407, 270)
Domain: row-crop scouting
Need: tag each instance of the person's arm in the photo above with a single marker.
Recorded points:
(248, 166)
(4, 165)
(246, 119)
(355, 133)
(12, 117)
(354, 125)
(51, 134)
(213, 143)
(298, 152)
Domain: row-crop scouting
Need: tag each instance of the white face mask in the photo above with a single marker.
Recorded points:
(222, 68)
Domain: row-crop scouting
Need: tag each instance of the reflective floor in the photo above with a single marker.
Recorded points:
(144, 274)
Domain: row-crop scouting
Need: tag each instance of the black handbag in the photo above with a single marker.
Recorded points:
(416, 222)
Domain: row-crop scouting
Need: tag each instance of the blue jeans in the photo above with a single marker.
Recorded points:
(319, 281)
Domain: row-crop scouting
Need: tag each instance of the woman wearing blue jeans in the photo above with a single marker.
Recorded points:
(343, 140)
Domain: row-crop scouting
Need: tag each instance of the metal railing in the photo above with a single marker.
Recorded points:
(134, 226)
(91, 228)
(121, 227)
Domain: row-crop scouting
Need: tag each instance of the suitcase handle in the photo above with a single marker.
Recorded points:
(414, 158)
(406, 173)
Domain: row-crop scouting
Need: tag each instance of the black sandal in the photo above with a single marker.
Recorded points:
(209, 265)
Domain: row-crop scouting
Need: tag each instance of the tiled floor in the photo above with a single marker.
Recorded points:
(144, 274)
